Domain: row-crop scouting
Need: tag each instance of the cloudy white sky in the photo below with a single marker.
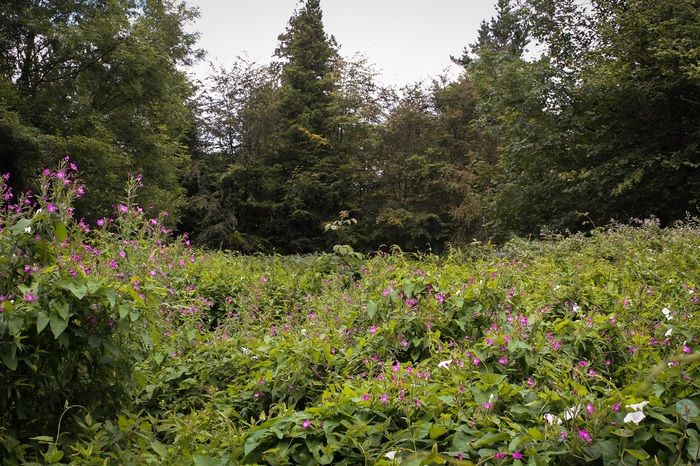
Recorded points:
(407, 40)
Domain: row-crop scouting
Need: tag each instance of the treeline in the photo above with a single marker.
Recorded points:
(568, 114)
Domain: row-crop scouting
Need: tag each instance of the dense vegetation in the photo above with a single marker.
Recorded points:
(121, 343)
(121, 347)
(601, 123)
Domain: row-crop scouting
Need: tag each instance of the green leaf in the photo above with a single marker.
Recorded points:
(43, 438)
(60, 231)
(641, 455)
(693, 444)
(58, 325)
(436, 431)
(124, 311)
(371, 309)
(21, 226)
(204, 460)
(490, 439)
(78, 290)
(42, 320)
(62, 309)
(159, 448)
(10, 360)
(687, 409)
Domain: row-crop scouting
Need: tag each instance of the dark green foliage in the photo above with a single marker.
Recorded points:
(98, 81)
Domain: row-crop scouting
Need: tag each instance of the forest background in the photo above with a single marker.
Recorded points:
(602, 124)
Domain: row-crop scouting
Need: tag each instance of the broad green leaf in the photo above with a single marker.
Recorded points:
(21, 226)
(42, 320)
(79, 290)
(687, 409)
(436, 431)
(124, 311)
(58, 325)
(159, 448)
(204, 460)
(10, 360)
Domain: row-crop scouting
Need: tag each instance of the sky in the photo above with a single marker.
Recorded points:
(406, 40)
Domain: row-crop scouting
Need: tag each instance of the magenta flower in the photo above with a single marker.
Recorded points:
(306, 424)
(122, 208)
(50, 208)
(502, 360)
(366, 397)
(616, 407)
(500, 455)
(440, 298)
(687, 349)
(476, 361)
(384, 398)
(585, 436)
(590, 408)
(583, 363)
(404, 344)
(487, 405)
(30, 297)
(517, 455)
(373, 329)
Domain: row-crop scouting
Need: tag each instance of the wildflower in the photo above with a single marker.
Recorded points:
(306, 424)
(667, 313)
(668, 332)
(590, 408)
(122, 208)
(552, 419)
(637, 414)
(30, 297)
(571, 413)
(476, 361)
(390, 455)
(517, 455)
(404, 344)
(687, 349)
(384, 398)
(28, 230)
(366, 397)
(445, 364)
(616, 407)
(487, 405)
(417, 403)
(500, 455)
(585, 436)
(440, 298)
(583, 363)
(373, 329)
(502, 360)
(51, 208)
(386, 292)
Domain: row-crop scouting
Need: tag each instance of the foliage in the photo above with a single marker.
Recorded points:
(578, 350)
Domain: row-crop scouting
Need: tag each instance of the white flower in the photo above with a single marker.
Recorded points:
(492, 398)
(667, 313)
(245, 350)
(445, 364)
(635, 417)
(576, 308)
(552, 419)
(28, 230)
(638, 406)
(637, 413)
(668, 332)
(571, 413)
(390, 455)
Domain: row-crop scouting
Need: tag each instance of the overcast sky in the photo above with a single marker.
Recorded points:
(407, 40)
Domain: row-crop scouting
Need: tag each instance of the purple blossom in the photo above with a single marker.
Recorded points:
(585, 436)
(306, 424)
(30, 297)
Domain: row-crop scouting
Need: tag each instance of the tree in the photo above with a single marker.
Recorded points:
(99, 81)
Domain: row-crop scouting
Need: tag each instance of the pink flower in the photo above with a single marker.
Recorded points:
(373, 329)
(583, 363)
(366, 397)
(590, 408)
(384, 398)
(585, 436)
(517, 455)
(616, 407)
(306, 424)
(502, 360)
(122, 208)
(30, 297)
(396, 367)
(404, 344)
(440, 298)
(686, 349)
(487, 405)
(500, 455)
(476, 361)
(51, 208)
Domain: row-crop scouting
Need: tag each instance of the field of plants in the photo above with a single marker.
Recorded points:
(120, 344)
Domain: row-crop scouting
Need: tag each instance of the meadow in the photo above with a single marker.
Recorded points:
(122, 344)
